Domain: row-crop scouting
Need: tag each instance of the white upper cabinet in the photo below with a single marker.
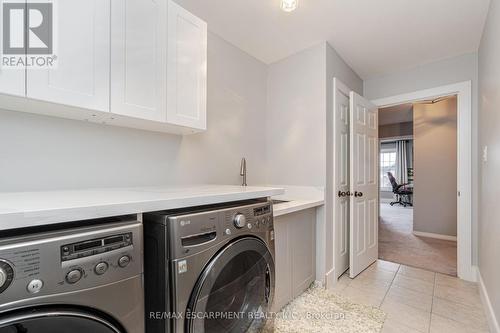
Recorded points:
(139, 59)
(132, 63)
(12, 82)
(81, 44)
(11, 79)
(187, 68)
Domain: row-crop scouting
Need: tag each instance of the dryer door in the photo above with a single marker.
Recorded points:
(53, 320)
(234, 293)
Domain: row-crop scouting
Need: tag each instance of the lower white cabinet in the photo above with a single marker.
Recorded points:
(295, 246)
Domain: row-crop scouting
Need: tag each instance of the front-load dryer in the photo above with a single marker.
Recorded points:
(210, 269)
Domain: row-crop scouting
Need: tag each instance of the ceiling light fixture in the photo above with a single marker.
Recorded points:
(289, 5)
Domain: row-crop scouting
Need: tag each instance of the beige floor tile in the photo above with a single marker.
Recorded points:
(472, 316)
(467, 296)
(391, 326)
(406, 315)
(371, 281)
(385, 265)
(417, 273)
(409, 297)
(454, 282)
(363, 296)
(414, 284)
(377, 274)
(342, 283)
(443, 325)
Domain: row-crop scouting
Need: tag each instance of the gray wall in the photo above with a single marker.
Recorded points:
(448, 71)
(296, 130)
(489, 88)
(43, 153)
(435, 165)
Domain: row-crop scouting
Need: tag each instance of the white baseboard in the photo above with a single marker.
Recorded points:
(432, 235)
(490, 314)
(331, 281)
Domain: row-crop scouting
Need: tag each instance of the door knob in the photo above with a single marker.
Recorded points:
(358, 194)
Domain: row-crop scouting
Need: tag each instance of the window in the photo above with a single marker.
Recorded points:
(387, 164)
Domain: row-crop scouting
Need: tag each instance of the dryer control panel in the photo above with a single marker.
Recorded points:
(67, 260)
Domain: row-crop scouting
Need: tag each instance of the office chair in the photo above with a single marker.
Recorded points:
(401, 191)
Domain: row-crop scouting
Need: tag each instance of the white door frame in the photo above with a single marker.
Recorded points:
(463, 90)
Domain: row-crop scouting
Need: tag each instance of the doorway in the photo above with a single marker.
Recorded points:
(463, 91)
(418, 181)
(344, 238)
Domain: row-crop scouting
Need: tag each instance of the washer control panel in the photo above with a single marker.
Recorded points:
(95, 246)
(69, 260)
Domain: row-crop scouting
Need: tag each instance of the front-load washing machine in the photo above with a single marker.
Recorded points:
(210, 269)
(73, 279)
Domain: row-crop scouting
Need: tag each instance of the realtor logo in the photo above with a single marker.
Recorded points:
(28, 34)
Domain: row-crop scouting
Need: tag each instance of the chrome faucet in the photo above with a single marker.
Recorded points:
(243, 171)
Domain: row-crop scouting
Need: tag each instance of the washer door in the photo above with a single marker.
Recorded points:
(235, 290)
(55, 321)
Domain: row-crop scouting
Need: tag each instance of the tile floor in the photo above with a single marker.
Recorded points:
(398, 244)
(417, 300)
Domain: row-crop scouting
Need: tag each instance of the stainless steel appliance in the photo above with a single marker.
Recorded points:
(209, 269)
(78, 279)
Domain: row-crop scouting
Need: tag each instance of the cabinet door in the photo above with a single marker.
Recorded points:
(187, 68)
(82, 40)
(11, 79)
(283, 284)
(302, 229)
(139, 58)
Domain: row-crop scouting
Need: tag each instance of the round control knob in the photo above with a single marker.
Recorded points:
(239, 221)
(101, 268)
(74, 276)
(34, 286)
(124, 261)
(6, 275)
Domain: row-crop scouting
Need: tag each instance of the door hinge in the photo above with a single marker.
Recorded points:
(458, 193)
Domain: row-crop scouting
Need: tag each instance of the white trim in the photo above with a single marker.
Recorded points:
(433, 235)
(396, 138)
(464, 163)
(331, 281)
(490, 313)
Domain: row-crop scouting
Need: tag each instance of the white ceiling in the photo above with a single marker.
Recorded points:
(395, 114)
(374, 37)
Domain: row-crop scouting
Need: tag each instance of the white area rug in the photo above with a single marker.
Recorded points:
(318, 310)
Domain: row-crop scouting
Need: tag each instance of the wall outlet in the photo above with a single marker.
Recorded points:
(485, 154)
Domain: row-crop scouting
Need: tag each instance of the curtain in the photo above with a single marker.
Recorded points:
(401, 162)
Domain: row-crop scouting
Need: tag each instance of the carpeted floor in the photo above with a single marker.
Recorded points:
(320, 311)
(398, 244)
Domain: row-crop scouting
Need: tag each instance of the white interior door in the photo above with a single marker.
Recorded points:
(341, 175)
(364, 184)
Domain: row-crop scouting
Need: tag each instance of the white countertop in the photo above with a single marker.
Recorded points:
(288, 207)
(297, 198)
(25, 209)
